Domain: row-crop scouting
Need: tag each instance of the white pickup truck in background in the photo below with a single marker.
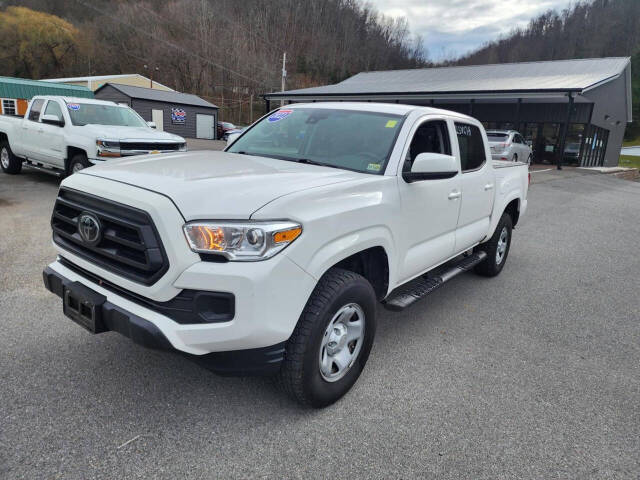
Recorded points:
(270, 257)
(63, 135)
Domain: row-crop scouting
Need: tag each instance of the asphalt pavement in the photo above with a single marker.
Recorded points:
(534, 374)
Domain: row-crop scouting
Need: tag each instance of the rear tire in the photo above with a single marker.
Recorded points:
(8, 161)
(325, 356)
(78, 162)
(497, 248)
(515, 157)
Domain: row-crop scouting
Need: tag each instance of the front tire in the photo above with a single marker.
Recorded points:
(515, 157)
(78, 162)
(8, 161)
(331, 342)
(497, 248)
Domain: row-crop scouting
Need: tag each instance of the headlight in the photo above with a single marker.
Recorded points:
(108, 148)
(241, 241)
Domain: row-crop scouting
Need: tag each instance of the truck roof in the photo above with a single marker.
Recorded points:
(392, 108)
(75, 99)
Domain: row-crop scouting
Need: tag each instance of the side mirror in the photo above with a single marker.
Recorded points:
(432, 166)
(151, 124)
(232, 137)
(52, 120)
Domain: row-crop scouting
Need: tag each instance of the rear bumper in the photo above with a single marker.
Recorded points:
(254, 361)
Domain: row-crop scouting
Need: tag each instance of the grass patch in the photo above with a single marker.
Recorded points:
(629, 161)
(631, 143)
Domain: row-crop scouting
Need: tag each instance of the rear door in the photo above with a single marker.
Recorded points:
(31, 130)
(429, 207)
(477, 183)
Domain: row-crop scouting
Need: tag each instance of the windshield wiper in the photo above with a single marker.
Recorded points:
(313, 162)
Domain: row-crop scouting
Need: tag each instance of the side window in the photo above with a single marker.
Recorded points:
(518, 138)
(472, 154)
(34, 113)
(53, 108)
(430, 137)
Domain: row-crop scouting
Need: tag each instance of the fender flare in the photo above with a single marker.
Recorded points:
(351, 243)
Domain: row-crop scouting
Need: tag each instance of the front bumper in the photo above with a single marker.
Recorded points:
(113, 317)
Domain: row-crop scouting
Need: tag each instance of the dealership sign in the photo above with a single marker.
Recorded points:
(178, 115)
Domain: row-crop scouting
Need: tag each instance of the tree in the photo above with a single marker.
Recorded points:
(35, 44)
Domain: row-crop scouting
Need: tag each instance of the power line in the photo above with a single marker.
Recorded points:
(172, 45)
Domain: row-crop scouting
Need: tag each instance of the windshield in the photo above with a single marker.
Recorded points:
(349, 139)
(96, 114)
(497, 137)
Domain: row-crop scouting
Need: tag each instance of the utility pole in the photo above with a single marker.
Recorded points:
(251, 110)
(284, 74)
(151, 69)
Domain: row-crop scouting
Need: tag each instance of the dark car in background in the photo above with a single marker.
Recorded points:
(223, 129)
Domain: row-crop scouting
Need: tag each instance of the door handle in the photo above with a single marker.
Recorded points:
(488, 186)
(454, 195)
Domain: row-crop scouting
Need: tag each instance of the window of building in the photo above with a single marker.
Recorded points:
(8, 106)
(472, 154)
(34, 113)
(430, 137)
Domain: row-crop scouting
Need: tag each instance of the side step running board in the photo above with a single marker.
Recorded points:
(413, 291)
(51, 171)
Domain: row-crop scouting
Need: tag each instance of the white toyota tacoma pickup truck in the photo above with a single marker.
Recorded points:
(63, 135)
(270, 257)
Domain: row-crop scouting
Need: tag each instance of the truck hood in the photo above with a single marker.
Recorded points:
(114, 132)
(218, 185)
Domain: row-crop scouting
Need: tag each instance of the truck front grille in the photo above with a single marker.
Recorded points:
(149, 146)
(128, 243)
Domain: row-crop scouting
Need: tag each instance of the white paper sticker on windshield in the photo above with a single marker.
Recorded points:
(73, 106)
(279, 115)
(374, 167)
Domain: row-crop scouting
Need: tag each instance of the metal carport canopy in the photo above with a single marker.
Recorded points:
(510, 80)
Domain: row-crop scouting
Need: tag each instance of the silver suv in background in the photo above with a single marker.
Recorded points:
(509, 145)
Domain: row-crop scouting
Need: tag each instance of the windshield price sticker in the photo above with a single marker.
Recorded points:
(391, 124)
(279, 115)
(374, 167)
(73, 106)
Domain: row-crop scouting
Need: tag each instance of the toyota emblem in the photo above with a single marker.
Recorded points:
(89, 228)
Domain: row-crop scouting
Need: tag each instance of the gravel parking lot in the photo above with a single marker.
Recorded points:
(533, 374)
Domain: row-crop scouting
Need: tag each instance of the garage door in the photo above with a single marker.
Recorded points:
(204, 126)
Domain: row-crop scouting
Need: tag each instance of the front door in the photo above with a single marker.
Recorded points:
(430, 207)
(157, 118)
(50, 140)
(477, 182)
(204, 126)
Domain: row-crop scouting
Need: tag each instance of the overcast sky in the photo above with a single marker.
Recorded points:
(453, 27)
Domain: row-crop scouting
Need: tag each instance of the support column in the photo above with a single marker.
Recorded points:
(471, 103)
(267, 105)
(585, 134)
(517, 125)
(563, 138)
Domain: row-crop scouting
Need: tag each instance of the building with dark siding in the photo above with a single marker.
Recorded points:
(560, 107)
(181, 113)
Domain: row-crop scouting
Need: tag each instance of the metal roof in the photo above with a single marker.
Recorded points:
(159, 95)
(97, 78)
(548, 76)
(23, 88)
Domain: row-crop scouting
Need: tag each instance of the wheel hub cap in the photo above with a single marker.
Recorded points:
(342, 342)
(4, 158)
(502, 245)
